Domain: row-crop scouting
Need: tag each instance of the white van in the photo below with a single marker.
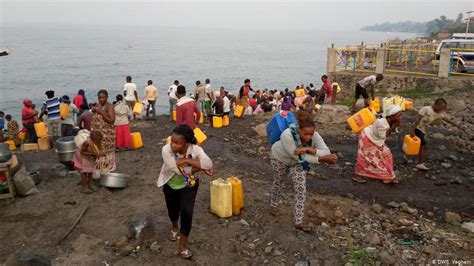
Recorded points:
(463, 57)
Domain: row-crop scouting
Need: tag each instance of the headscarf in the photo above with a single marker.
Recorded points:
(26, 102)
(391, 110)
(84, 100)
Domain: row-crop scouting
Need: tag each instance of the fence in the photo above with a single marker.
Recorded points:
(356, 59)
(420, 62)
(461, 62)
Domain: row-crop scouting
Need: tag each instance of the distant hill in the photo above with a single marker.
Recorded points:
(432, 27)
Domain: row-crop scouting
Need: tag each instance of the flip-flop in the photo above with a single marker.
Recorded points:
(173, 235)
(186, 254)
(359, 180)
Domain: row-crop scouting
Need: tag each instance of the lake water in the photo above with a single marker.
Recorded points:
(66, 59)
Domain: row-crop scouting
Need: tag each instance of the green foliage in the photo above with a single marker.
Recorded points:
(432, 27)
(356, 257)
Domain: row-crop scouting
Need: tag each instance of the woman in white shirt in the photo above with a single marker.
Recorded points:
(123, 112)
(182, 160)
(374, 158)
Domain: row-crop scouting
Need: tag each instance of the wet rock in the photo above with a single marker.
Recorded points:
(437, 136)
(268, 250)
(261, 150)
(338, 214)
(404, 207)
(155, 247)
(374, 239)
(412, 211)
(261, 130)
(441, 147)
(321, 214)
(141, 227)
(252, 246)
(243, 222)
(440, 183)
(446, 165)
(26, 259)
(393, 204)
(302, 263)
(430, 214)
(468, 226)
(453, 157)
(452, 218)
(226, 139)
(385, 258)
(457, 181)
(332, 114)
(377, 208)
(429, 250)
(122, 241)
(457, 105)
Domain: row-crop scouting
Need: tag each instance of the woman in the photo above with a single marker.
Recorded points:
(28, 120)
(13, 130)
(182, 159)
(122, 124)
(103, 121)
(374, 159)
(285, 161)
(244, 94)
(80, 99)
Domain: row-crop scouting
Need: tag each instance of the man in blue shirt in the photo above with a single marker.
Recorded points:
(53, 116)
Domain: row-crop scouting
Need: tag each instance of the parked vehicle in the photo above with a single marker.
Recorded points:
(463, 54)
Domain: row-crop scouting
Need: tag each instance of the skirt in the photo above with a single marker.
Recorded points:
(122, 136)
(374, 161)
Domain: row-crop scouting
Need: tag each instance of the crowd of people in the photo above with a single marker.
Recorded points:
(102, 128)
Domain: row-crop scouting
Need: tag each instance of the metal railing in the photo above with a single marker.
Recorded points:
(356, 59)
(411, 61)
(461, 62)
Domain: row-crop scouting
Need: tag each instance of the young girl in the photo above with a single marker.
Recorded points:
(182, 160)
(285, 163)
(86, 157)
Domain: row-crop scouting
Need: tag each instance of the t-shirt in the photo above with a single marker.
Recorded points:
(52, 108)
(186, 108)
(122, 112)
(27, 111)
(430, 117)
(172, 92)
(200, 92)
(209, 92)
(368, 81)
(226, 104)
(218, 107)
(129, 91)
(150, 93)
(328, 88)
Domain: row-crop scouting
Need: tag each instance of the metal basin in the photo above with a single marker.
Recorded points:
(114, 180)
(65, 144)
(5, 156)
(35, 175)
(65, 156)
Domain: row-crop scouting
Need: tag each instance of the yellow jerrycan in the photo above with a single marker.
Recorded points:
(41, 130)
(237, 195)
(221, 198)
(361, 119)
(411, 146)
(375, 104)
(217, 121)
(225, 120)
(136, 140)
(199, 135)
(239, 111)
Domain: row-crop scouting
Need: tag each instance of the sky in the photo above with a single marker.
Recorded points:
(283, 14)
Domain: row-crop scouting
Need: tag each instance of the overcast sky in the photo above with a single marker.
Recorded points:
(330, 15)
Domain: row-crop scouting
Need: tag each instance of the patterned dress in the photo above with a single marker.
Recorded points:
(106, 163)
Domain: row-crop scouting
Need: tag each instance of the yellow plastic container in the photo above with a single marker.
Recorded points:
(361, 119)
(201, 118)
(43, 144)
(221, 198)
(41, 130)
(237, 195)
(199, 135)
(11, 145)
(239, 111)
(217, 121)
(168, 140)
(22, 135)
(386, 102)
(408, 105)
(375, 104)
(138, 108)
(411, 146)
(400, 101)
(64, 110)
(174, 115)
(136, 140)
(300, 93)
(225, 120)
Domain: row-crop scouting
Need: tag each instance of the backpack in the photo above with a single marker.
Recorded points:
(278, 124)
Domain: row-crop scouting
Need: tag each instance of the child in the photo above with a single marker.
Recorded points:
(429, 115)
(182, 159)
(86, 157)
(13, 130)
(187, 112)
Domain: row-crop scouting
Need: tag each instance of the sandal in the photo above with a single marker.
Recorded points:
(304, 227)
(186, 254)
(173, 235)
(392, 181)
(359, 179)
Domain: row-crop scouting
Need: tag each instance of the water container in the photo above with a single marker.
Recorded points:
(168, 140)
(11, 145)
(278, 124)
(43, 144)
(237, 195)
(361, 119)
(411, 146)
(225, 120)
(221, 198)
(386, 102)
(216, 121)
(375, 104)
(201, 118)
(64, 110)
(138, 108)
(400, 101)
(174, 115)
(300, 93)
(408, 105)
(239, 111)
(41, 130)
(22, 135)
(136, 140)
(199, 135)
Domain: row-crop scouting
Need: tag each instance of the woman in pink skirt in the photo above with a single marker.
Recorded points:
(122, 124)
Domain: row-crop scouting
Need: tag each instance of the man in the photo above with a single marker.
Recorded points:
(326, 92)
(363, 85)
(150, 97)
(186, 109)
(85, 120)
(173, 98)
(130, 92)
(200, 95)
(209, 97)
(51, 107)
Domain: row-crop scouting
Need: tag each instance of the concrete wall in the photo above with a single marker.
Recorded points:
(392, 83)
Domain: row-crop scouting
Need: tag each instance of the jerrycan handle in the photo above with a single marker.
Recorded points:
(284, 114)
